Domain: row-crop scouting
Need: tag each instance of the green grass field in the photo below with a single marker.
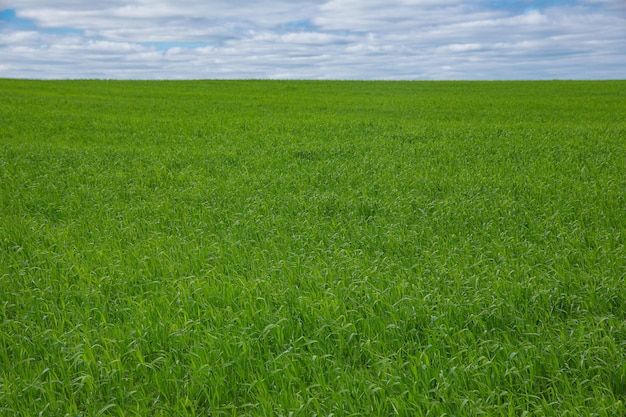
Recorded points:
(292, 248)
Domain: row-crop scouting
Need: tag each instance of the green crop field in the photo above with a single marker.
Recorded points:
(302, 248)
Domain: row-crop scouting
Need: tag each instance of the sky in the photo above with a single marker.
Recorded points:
(313, 39)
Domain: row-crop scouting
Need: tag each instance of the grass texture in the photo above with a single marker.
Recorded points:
(302, 248)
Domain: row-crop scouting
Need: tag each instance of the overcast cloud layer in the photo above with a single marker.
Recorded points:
(313, 39)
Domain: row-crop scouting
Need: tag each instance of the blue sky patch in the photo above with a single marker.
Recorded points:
(63, 31)
(302, 25)
(8, 15)
(528, 5)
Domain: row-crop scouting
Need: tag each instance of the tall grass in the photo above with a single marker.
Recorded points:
(312, 248)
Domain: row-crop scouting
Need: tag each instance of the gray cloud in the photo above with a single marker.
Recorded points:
(341, 39)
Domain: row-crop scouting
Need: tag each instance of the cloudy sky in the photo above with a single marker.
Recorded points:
(313, 39)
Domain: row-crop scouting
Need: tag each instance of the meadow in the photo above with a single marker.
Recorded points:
(303, 248)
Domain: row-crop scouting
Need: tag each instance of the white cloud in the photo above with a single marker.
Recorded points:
(371, 39)
(459, 47)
